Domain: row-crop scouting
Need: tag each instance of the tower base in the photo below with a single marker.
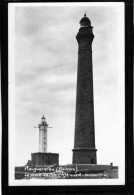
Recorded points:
(84, 156)
(41, 159)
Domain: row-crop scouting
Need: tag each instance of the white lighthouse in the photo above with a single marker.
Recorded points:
(43, 135)
(43, 158)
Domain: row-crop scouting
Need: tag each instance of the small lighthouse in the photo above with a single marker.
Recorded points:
(43, 135)
(43, 157)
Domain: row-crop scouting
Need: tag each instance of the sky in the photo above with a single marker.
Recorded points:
(45, 71)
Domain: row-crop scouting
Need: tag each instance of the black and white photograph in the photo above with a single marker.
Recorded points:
(66, 85)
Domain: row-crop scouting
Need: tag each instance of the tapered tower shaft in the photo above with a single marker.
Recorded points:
(84, 151)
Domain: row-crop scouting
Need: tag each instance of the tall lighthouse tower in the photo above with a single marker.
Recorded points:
(84, 151)
(43, 135)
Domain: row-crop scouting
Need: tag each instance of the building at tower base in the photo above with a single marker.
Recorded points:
(40, 159)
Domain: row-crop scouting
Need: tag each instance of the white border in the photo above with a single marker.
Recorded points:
(11, 98)
(58, 4)
(11, 89)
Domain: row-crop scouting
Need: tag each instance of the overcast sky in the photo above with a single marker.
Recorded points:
(45, 63)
